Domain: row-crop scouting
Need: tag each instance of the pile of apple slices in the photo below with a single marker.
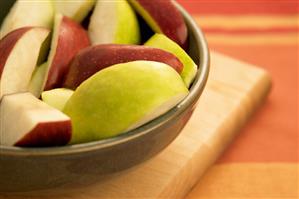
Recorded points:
(80, 71)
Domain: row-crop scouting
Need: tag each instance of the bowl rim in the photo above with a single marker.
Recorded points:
(195, 90)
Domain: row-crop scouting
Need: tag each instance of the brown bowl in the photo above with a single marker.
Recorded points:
(28, 169)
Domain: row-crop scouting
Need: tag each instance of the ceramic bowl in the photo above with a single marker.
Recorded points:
(30, 169)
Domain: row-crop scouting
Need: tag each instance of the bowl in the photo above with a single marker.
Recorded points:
(32, 169)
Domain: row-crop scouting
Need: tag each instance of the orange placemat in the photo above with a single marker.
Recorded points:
(263, 161)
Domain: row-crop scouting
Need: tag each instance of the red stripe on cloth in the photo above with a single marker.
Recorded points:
(251, 30)
(231, 7)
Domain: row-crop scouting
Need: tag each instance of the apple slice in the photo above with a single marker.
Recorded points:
(76, 10)
(190, 68)
(95, 58)
(113, 22)
(123, 97)
(163, 17)
(68, 38)
(28, 13)
(19, 52)
(57, 98)
(28, 122)
(37, 79)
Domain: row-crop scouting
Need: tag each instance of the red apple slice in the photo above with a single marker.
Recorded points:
(27, 121)
(19, 52)
(68, 38)
(92, 59)
(27, 13)
(163, 17)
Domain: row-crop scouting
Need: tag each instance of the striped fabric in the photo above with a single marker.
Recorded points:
(263, 161)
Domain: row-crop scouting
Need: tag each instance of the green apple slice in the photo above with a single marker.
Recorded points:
(37, 79)
(163, 42)
(113, 22)
(123, 97)
(28, 13)
(57, 98)
(76, 10)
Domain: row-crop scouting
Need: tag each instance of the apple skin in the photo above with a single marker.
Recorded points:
(95, 58)
(123, 97)
(163, 17)
(29, 122)
(37, 79)
(47, 134)
(163, 42)
(16, 68)
(70, 38)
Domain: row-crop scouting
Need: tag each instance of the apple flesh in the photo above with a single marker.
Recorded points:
(57, 98)
(19, 52)
(163, 42)
(28, 13)
(68, 38)
(95, 58)
(76, 10)
(123, 97)
(163, 17)
(113, 22)
(28, 122)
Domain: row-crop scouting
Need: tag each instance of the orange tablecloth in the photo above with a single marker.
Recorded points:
(263, 160)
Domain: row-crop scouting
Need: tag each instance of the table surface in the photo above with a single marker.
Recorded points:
(263, 161)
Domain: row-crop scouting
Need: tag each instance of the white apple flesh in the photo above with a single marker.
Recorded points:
(76, 10)
(19, 52)
(122, 97)
(28, 122)
(113, 22)
(28, 13)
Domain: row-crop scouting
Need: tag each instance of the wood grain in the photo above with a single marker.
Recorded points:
(234, 90)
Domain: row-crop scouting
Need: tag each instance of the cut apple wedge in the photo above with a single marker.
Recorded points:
(76, 10)
(57, 98)
(123, 97)
(95, 58)
(37, 79)
(19, 52)
(68, 38)
(113, 22)
(163, 42)
(28, 122)
(28, 13)
(163, 17)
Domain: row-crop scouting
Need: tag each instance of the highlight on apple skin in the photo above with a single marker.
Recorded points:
(19, 52)
(95, 58)
(123, 97)
(68, 38)
(113, 22)
(28, 13)
(163, 42)
(28, 122)
(163, 17)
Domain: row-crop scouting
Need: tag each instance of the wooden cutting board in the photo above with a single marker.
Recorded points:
(233, 92)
